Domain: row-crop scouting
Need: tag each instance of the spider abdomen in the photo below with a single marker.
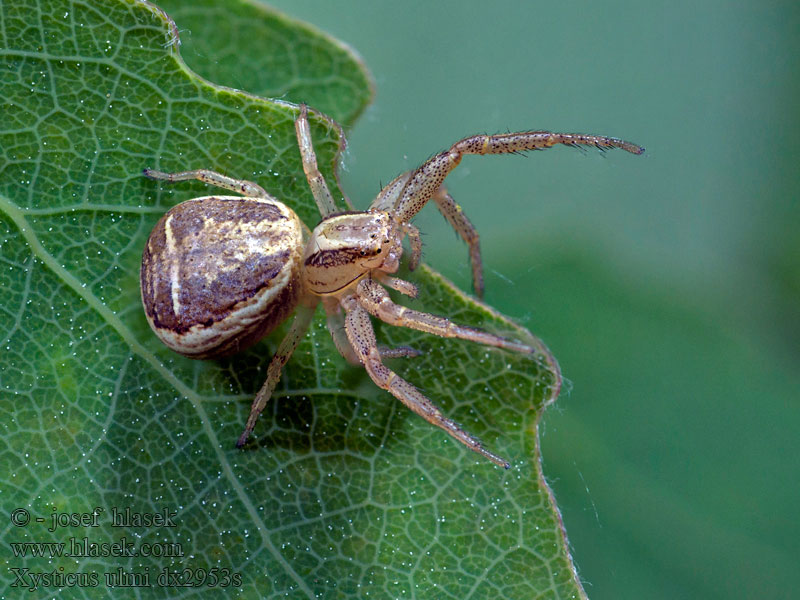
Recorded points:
(220, 272)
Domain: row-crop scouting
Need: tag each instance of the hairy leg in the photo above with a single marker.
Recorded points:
(322, 195)
(362, 338)
(242, 186)
(298, 329)
(375, 300)
(423, 183)
(399, 285)
(459, 221)
(336, 327)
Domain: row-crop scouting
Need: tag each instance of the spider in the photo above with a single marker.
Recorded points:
(220, 272)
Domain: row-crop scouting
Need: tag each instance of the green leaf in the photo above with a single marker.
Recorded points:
(345, 493)
(250, 46)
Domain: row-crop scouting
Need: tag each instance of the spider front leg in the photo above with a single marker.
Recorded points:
(387, 200)
(374, 299)
(242, 186)
(422, 184)
(336, 327)
(319, 189)
(302, 320)
(362, 338)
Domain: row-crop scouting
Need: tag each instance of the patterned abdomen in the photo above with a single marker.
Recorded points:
(220, 272)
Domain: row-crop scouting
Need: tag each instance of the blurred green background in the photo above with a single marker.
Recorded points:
(667, 285)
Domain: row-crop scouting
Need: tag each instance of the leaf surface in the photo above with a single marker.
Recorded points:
(344, 493)
(249, 46)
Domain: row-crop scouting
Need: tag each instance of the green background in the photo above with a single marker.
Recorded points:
(667, 285)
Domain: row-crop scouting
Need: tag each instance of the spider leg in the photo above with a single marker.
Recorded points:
(423, 183)
(452, 212)
(362, 338)
(387, 197)
(336, 328)
(298, 329)
(322, 195)
(242, 186)
(416, 245)
(399, 285)
(399, 352)
(375, 300)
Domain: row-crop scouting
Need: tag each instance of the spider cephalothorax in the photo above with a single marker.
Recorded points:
(220, 272)
(346, 246)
